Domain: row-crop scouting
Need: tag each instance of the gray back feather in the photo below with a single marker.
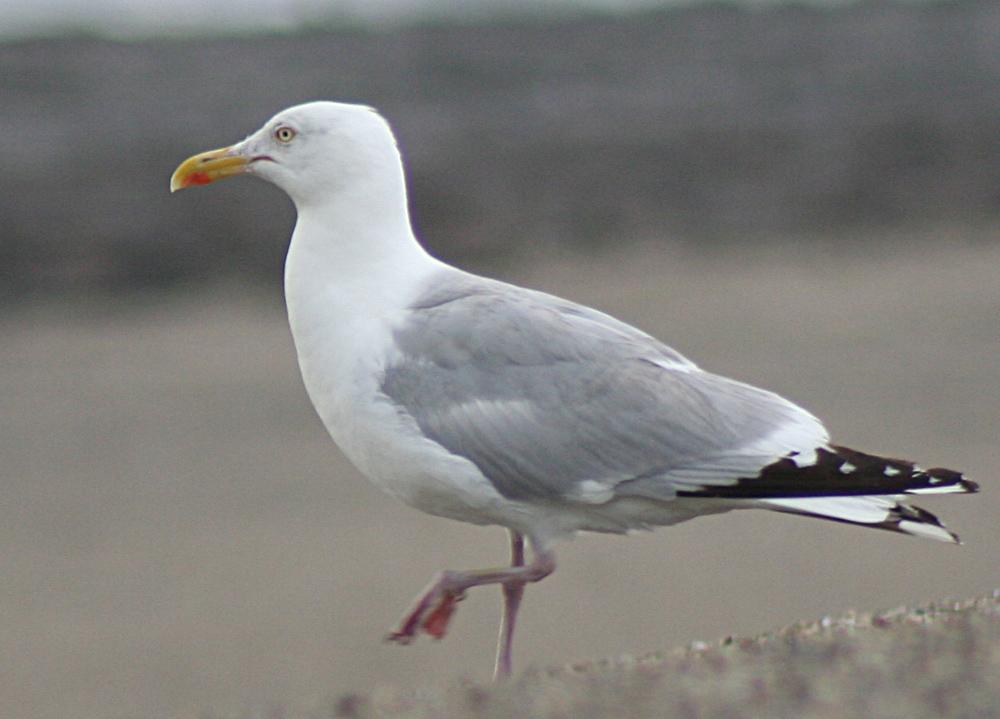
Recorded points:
(543, 395)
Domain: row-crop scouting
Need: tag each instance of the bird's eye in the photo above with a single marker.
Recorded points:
(284, 134)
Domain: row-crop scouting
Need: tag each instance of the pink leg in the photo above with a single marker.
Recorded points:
(433, 607)
(512, 593)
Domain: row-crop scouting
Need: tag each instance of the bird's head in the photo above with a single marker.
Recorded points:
(310, 151)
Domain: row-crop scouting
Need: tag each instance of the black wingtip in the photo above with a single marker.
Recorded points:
(841, 472)
(954, 479)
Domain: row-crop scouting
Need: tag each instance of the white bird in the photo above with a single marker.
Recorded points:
(489, 403)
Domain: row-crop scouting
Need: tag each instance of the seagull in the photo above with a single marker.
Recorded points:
(484, 402)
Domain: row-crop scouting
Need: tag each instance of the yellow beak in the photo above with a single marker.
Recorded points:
(207, 167)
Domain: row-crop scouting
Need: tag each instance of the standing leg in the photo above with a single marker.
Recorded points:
(513, 591)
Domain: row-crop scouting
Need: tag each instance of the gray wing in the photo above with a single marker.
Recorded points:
(551, 399)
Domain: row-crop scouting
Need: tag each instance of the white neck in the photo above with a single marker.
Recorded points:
(357, 246)
(352, 269)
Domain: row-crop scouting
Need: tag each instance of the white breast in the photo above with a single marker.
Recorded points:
(342, 328)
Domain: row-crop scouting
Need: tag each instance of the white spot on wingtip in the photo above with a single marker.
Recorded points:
(948, 489)
(847, 468)
(892, 471)
(803, 459)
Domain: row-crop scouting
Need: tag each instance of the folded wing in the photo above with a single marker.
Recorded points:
(553, 400)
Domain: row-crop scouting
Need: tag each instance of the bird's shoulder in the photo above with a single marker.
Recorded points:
(461, 318)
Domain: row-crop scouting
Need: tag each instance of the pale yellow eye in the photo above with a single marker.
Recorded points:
(284, 134)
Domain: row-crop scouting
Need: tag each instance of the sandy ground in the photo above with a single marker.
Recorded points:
(938, 661)
(179, 537)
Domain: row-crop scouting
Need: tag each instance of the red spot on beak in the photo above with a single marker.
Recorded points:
(197, 178)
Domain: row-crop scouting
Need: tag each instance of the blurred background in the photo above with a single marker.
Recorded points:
(805, 196)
